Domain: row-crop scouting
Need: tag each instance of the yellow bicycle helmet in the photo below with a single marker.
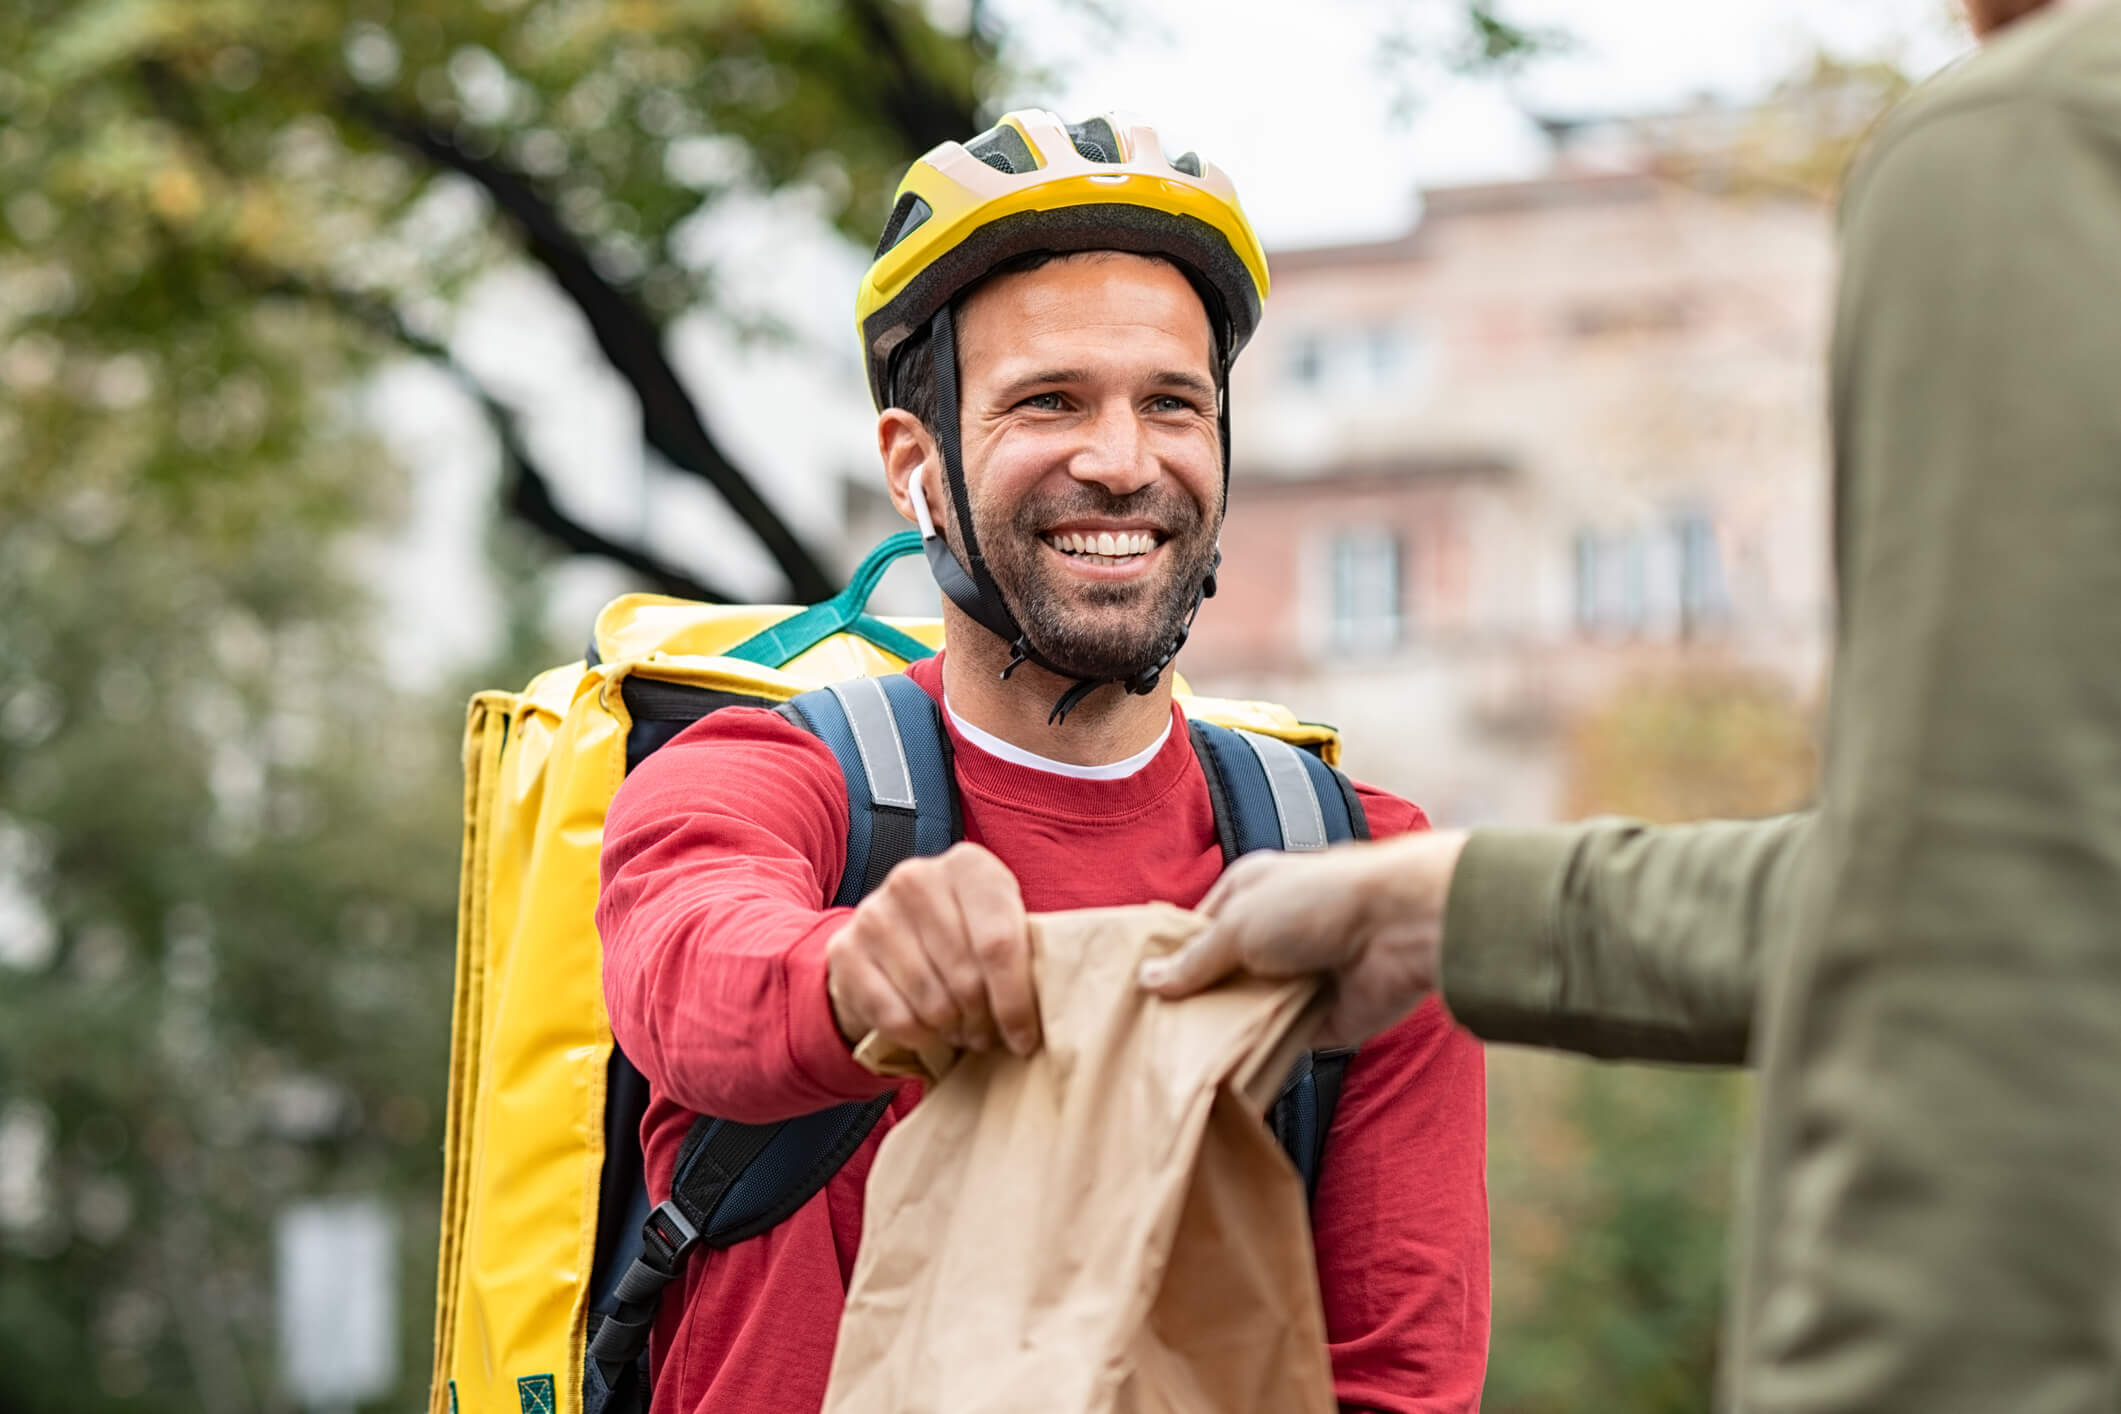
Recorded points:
(1033, 183)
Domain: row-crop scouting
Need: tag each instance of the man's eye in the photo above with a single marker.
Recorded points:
(1170, 402)
(1043, 402)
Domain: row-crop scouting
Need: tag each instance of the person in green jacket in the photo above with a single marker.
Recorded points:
(1926, 968)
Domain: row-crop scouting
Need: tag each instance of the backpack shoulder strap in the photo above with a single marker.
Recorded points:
(734, 1181)
(1267, 794)
(888, 737)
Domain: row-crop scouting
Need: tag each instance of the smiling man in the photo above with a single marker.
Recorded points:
(1049, 327)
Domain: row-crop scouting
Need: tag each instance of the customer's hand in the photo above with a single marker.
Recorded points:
(941, 951)
(1370, 915)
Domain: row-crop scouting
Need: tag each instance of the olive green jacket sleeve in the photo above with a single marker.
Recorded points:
(1620, 940)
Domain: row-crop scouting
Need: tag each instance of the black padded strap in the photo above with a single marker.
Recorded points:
(1218, 792)
(750, 1178)
(1358, 819)
(890, 842)
(1256, 788)
(716, 1153)
(733, 1182)
(1328, 1070)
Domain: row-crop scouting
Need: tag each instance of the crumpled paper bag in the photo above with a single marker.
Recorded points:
(1106, 1227)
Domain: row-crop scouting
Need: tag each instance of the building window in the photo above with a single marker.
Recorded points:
(1307, 362)
(1703, 603)
(1612, 582)
(1367, 592)
(1357, 361)
(1589, 565)
(1665, 581)
(1388, 353)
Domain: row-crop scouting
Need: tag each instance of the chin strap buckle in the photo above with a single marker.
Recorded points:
(1071, 698)
(1019, 654)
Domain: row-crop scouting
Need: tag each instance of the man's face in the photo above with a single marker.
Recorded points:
(1092, 453)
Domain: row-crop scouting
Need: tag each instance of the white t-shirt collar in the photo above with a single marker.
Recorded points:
(1017, 756)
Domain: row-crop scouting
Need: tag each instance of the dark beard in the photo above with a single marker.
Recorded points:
(1111, 645)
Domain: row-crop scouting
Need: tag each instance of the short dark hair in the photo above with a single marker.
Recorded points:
(911, 381)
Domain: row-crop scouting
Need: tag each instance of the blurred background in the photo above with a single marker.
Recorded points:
(353, 351)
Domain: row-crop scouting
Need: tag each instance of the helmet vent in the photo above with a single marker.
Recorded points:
(1003, 148)
(909, 212)
(1095, 140)
(1189, 163)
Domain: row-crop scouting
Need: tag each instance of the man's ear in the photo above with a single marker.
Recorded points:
(908, 451)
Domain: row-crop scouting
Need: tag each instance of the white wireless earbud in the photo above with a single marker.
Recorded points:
(920, 506)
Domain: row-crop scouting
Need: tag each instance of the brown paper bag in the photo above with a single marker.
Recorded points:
(1105, 1228)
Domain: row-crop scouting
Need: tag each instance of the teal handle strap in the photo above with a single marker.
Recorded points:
(805, 629)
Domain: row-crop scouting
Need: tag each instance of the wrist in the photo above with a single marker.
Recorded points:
(1408, 880)
(852, 1027)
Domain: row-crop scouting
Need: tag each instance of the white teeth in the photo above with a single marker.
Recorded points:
(1105, 544)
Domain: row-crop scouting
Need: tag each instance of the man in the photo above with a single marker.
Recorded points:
(1936, 1215)
(1049, 326)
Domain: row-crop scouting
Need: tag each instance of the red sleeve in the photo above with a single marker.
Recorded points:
(720, 852)
(1401, 1221)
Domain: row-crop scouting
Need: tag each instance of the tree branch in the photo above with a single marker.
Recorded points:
(529, 494)
(629, 337)
(924, 112)
(528, 490)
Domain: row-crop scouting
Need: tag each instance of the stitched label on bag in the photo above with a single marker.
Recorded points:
(535, 1394)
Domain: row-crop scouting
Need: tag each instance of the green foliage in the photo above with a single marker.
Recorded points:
(227, 847)
(1609, 1236)
(1493, 41)
(1703, 744)
(271, 132)
(1612, 1185)
(227, 859)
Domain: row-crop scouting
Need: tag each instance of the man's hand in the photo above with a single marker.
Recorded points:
(1371, 915)
(941, 950)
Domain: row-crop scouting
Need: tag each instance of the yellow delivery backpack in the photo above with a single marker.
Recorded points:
(551, 1254)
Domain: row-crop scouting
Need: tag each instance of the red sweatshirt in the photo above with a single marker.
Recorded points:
(720, 852)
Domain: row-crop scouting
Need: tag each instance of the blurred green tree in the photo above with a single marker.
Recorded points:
(226, 866)
(374, 156)
(227, 846)
(1612, 1185)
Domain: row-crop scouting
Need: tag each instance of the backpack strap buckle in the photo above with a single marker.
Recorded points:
(668, 1237)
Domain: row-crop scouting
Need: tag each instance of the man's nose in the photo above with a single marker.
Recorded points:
(1115, 454)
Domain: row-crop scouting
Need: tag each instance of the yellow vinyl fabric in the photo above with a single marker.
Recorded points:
(525, 1136)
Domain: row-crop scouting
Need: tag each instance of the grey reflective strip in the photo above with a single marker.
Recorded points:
(1303, 826)
(869, 713)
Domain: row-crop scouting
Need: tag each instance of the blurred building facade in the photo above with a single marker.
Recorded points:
(1564, 433)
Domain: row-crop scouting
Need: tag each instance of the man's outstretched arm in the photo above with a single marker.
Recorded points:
(1611, 938)
(1618, 939)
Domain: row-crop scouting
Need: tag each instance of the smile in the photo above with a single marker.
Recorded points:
(1104, 547)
